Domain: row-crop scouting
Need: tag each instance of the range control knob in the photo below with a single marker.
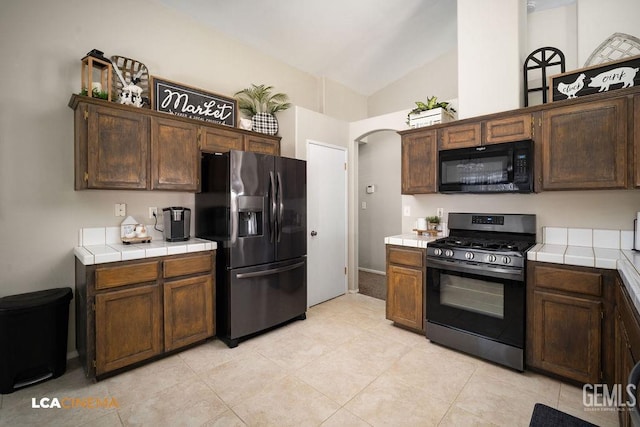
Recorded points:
(468, 255)
(437, 251)
(506, 260)
(491, 258)
(448, 253)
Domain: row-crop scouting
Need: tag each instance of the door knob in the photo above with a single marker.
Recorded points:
(314, 233)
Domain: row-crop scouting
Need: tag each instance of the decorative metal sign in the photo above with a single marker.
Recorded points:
(599, 78)
(185, 101)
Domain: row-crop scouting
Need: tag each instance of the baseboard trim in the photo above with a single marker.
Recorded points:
(368, 270)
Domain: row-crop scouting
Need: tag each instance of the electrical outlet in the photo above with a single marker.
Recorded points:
(407, 210)
(120, 209)
(440, 212)
(153, 212)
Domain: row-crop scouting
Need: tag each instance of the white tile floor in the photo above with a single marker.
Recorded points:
(345, 365)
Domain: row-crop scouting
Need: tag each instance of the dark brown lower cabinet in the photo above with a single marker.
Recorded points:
(188, 314)
(132, 311)
(569, 322)
(405, 286)
(626, 344)
(130, 327)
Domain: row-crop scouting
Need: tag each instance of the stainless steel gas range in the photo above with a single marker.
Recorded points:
(475, 299)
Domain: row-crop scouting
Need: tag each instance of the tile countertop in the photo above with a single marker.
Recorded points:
(587, 247)
(411, 239)
(610, 249)
(98, 245)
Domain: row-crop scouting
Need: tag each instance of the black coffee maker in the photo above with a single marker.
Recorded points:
(177, 223)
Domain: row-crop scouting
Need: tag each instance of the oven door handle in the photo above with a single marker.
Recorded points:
(482, 270)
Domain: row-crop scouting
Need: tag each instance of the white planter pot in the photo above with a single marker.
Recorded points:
(430, 117)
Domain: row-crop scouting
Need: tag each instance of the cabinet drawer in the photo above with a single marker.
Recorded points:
(509, 129)
(460, 136)
(410, 257)
(189, 265)
(582, 282)
(215, 140)
(111, 277)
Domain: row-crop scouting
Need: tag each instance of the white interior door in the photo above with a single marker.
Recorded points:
(326, 222)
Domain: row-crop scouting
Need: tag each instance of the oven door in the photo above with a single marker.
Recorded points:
(476, 302)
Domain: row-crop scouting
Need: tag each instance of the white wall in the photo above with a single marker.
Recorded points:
(597, 20)
(437, 78)
(42, 43)
(552, 28)
(490, 35)
(379, 163)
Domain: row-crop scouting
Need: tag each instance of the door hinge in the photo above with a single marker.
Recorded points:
(533, 127)
(345, 166)
(86, 114)
(86, 177)
(93, 362)
(345, 270)
(602, 315)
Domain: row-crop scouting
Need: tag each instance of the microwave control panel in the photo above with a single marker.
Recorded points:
(520, 167)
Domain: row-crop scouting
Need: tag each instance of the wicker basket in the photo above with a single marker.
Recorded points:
(130, 68)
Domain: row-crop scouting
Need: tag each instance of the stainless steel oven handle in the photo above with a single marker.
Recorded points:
(269, 272)
(482, 270)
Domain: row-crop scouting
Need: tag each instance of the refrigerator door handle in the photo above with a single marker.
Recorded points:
(269, 272)
(280, 207)
(272, 201)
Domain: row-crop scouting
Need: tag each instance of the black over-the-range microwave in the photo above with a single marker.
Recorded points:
(497, 168)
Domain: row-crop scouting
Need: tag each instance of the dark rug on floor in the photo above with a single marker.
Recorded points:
(544, 416)
(372, 284)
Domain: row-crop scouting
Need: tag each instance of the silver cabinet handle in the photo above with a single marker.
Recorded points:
(314, 233)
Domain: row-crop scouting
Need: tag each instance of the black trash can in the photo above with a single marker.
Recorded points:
(33, 337)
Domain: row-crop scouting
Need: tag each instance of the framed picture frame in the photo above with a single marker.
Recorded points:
(605, 77)
(193, 103)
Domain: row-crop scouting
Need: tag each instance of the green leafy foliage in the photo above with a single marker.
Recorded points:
(432, 102)
(260, 99)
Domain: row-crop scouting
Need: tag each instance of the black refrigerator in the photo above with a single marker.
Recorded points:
(255, 207)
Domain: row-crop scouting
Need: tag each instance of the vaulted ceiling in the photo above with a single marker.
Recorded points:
(362, 44)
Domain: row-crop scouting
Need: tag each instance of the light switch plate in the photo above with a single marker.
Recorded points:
(406, 210)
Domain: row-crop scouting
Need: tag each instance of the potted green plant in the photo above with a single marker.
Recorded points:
(259, 103)
(433, 221)
(430, 113)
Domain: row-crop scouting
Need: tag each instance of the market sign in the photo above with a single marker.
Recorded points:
(185, 101)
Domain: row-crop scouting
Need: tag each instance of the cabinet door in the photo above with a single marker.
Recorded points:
(262, 144)
(404, 296)
(585, 146)
(623, 364)
(188, 311)
(117, 149)
(419, 163)
(515, 128)
(566, 333)
(128, 327)
(214, 140)
(175, 157)
(459, 136)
